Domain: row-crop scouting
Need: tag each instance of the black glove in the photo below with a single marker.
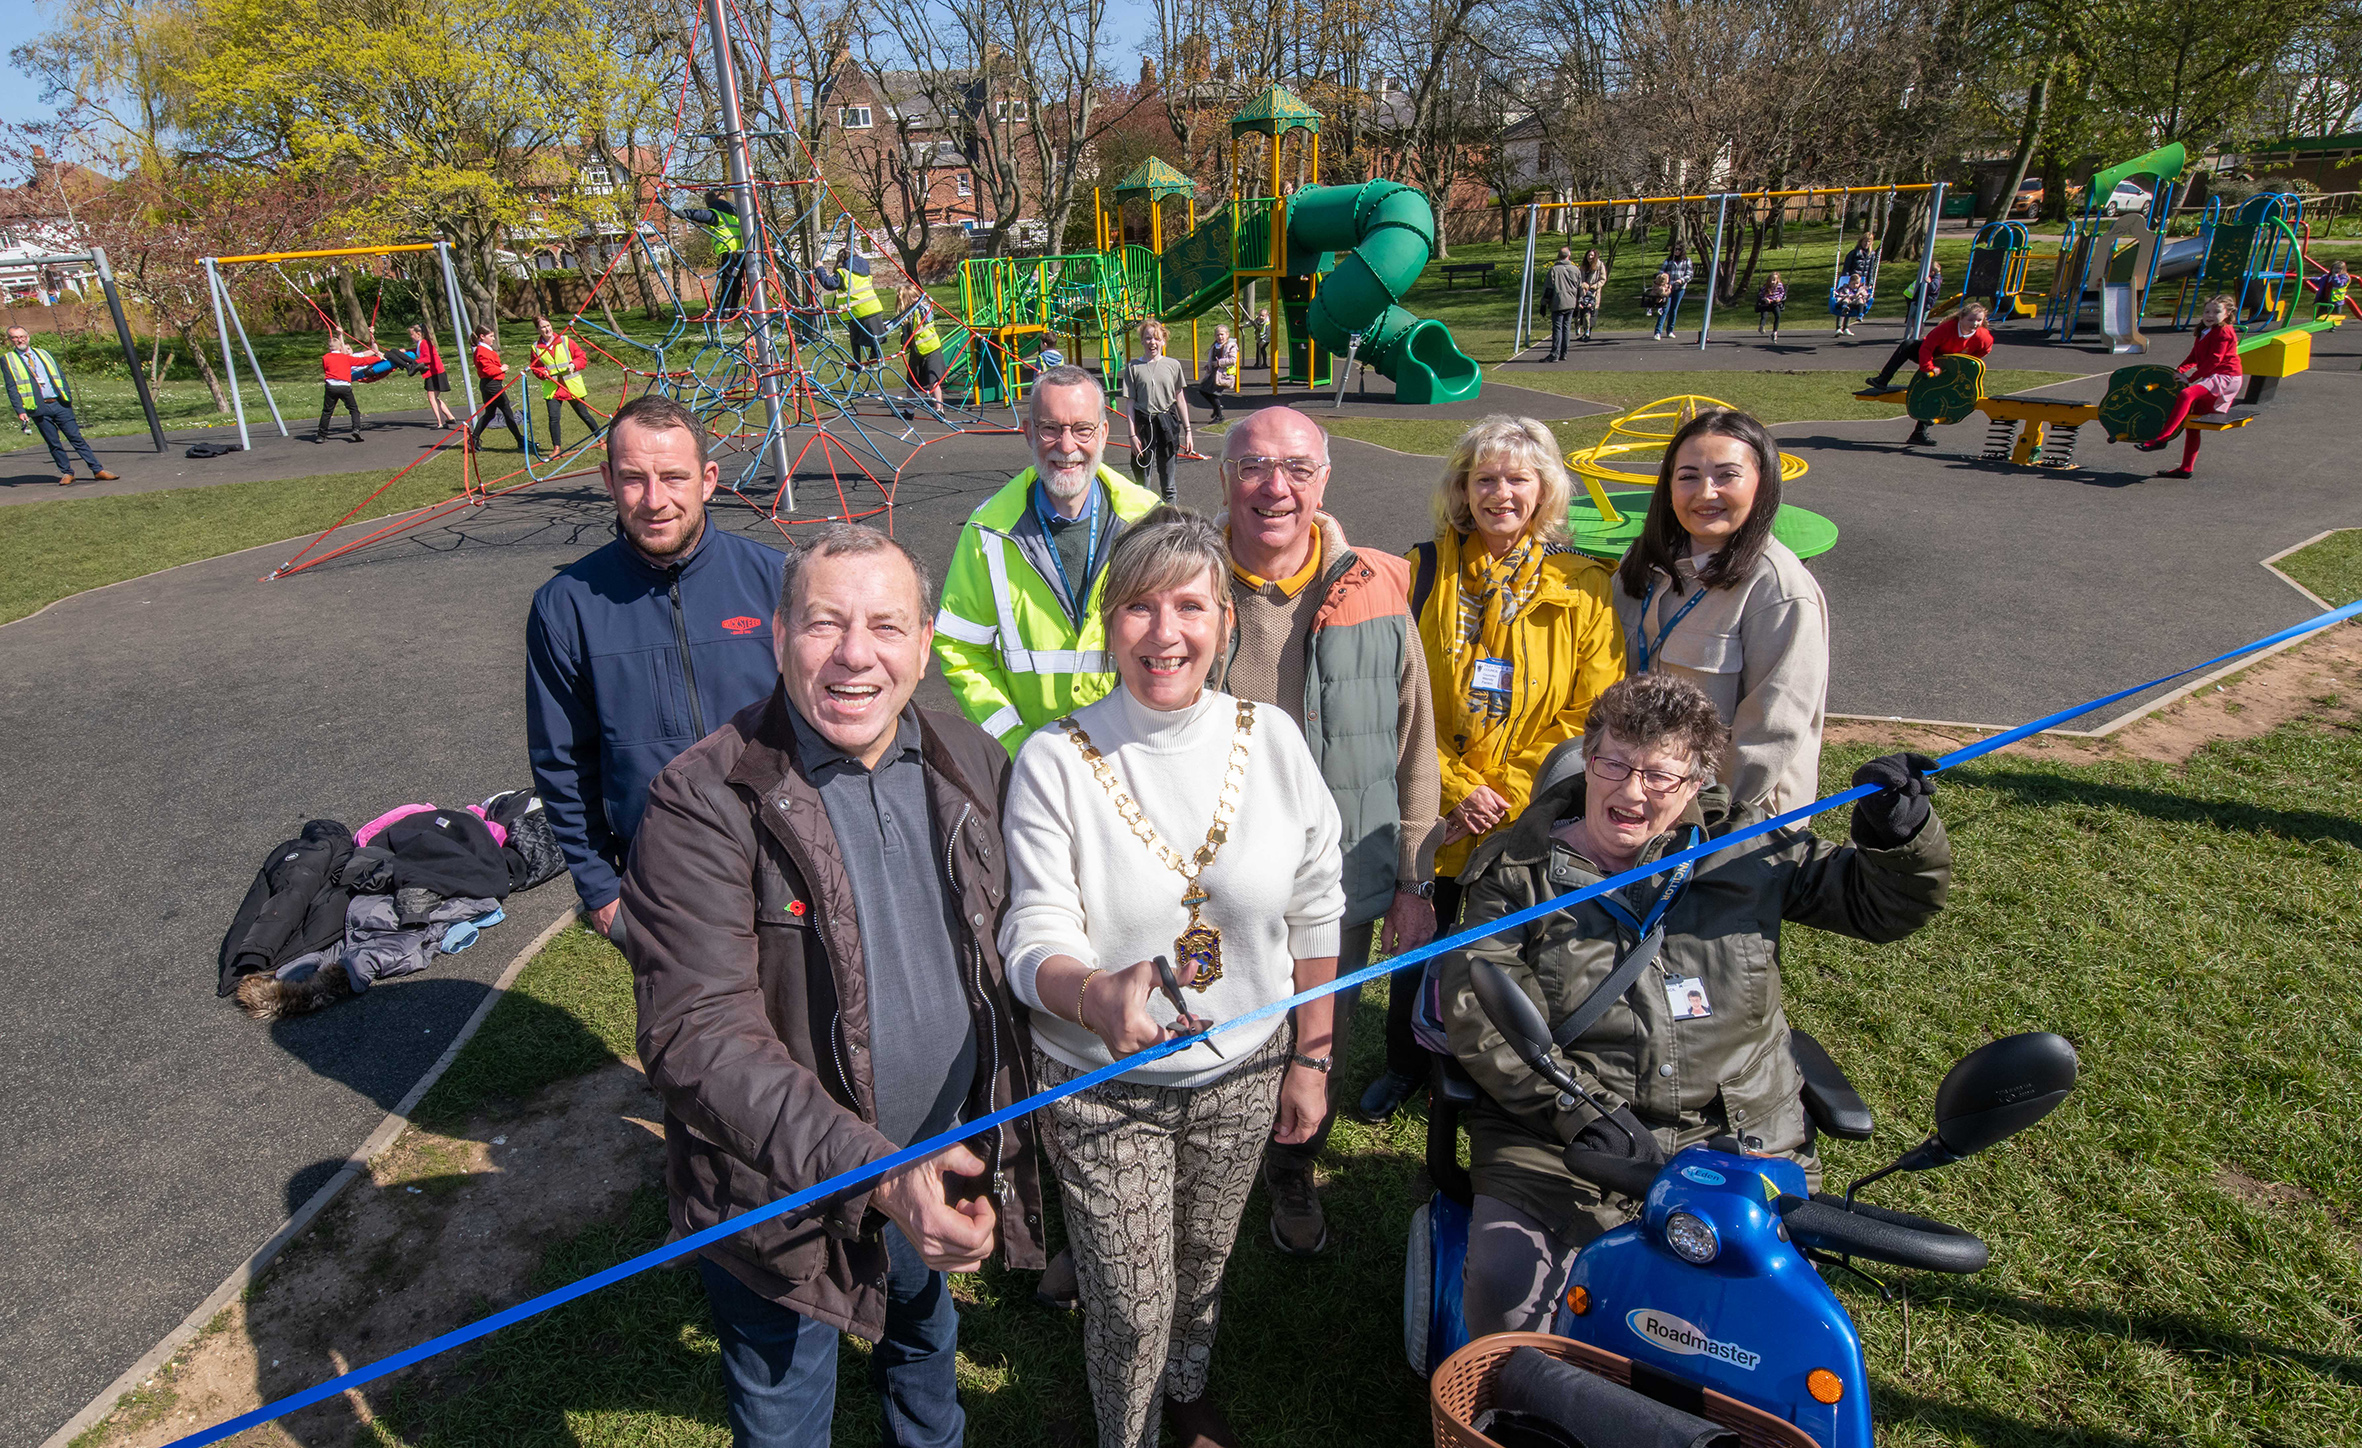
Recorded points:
(1894, 815)
(1621, 1161)
(1634, 1142)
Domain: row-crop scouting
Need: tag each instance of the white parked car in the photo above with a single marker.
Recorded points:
(2127, 197)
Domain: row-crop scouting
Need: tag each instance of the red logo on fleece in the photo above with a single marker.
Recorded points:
(742, 624)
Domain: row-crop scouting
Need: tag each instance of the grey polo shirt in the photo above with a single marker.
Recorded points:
(922, 1039)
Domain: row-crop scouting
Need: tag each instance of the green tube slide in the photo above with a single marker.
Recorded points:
(1386, 232)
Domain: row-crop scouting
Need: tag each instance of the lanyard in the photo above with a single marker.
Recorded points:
(1640, 641)
(1090, 544)
(1674, 884)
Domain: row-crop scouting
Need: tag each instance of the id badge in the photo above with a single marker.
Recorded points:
(1685, 996)
(1492, 675)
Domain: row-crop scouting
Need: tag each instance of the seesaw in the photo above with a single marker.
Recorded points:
(2031, 431)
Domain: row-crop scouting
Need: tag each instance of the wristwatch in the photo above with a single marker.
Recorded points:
(1322, 1064)
(1424, 889)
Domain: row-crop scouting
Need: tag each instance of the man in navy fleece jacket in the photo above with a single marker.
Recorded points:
(639, 650)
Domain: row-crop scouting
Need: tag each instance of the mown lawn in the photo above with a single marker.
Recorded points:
(49, 551)
(2175, 1252)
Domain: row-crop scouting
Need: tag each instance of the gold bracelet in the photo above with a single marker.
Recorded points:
(1082, 997)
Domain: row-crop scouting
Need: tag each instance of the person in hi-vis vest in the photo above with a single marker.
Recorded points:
(38, 390)
(864, 312)
(727, 230)
(558, 362)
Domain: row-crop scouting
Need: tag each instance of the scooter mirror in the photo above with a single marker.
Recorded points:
(2001, 1088)
(1513, 1014)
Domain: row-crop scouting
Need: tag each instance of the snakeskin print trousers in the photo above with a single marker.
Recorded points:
(1155, 1179)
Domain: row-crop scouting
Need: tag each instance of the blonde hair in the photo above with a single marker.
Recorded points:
(1168, 547)
(1519, 440)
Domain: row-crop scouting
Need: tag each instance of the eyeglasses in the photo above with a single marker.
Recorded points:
(1261, 470)
(1084, 432)
(1616, 771)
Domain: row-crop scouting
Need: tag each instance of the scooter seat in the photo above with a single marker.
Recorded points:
(1829, 1099)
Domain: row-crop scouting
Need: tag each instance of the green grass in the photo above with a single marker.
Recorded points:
(2331, 568)
(1780, 396)
(2192, 929)
(568, 1012)
(50, 551)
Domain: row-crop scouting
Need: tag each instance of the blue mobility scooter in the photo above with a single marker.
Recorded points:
(1717, 1284)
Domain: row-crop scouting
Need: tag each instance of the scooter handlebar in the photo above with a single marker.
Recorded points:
(1882, 1235)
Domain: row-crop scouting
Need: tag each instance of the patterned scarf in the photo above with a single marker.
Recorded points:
(1493, 592)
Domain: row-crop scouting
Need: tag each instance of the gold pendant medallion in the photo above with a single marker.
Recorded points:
(1198, 944)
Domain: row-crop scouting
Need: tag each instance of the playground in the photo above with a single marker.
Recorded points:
(2174, 1257)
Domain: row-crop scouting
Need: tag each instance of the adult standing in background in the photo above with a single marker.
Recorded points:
(818, 986)
(1221, 374)
(1157, 411)
(1678, 272)
(1862, 261)
(1520, 636)
(1563, 290)
(635, 652)
(558, 361)
(1708, 594)
(1168, 820)
(1019, 635)
(1591, 285)
(1324, 631)
(41, 395)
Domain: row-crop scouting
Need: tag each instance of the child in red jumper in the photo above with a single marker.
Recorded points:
(337, 366)
(492, 381)
(2213, 370)
(1962, 334)
(437, 376)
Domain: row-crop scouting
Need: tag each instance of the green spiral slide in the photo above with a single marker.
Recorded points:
(1385, 232)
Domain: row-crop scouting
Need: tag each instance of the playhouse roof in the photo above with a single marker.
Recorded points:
(1155, 178)
(1275, 113)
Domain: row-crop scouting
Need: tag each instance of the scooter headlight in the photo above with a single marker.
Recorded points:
(1693, 1237)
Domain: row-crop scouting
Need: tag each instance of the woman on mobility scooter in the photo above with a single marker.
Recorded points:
(1695, 1045)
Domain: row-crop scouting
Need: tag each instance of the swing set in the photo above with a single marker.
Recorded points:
(226, 317)
(1528, 337)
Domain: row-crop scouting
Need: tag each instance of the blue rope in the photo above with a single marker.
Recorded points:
(847, 1181)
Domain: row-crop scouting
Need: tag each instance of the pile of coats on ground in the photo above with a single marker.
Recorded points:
(335, 910)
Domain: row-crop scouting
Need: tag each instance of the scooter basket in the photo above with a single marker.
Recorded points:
(1463, 1390)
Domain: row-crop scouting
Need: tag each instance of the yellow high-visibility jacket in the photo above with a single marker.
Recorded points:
(1011, 652)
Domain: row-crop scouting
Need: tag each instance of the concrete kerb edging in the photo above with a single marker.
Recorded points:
(396, 1122)
(2184, 692)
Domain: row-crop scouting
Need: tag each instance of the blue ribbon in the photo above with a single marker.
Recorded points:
(860, 1176)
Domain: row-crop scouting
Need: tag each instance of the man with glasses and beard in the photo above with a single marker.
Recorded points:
(1018, 633)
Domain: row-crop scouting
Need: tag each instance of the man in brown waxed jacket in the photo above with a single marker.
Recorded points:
(811, 901)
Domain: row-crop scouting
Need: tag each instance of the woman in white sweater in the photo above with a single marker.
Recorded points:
(1706, 593)
(1168, 820)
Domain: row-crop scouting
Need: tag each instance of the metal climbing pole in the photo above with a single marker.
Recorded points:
(757, 249)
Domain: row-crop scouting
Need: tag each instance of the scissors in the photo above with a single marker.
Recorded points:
(1170, 984)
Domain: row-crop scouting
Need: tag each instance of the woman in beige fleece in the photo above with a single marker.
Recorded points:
(1706, 593)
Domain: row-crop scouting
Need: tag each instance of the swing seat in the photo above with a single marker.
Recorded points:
(1840, 309)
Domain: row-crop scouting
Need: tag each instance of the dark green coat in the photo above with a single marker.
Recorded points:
(1687, 1079)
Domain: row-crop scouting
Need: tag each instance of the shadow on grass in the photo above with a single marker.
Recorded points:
(1988, 1426)
(2042, 787)
(2188, 1337)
